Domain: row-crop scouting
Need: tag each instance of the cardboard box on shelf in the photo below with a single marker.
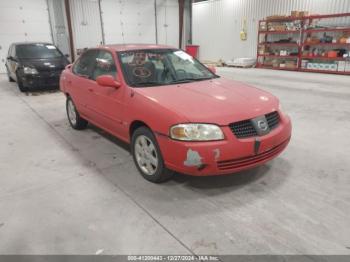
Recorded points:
(299, 13)
(291, 64)
(275, 64)
(279, 27)
(294, 13)
(275, 17)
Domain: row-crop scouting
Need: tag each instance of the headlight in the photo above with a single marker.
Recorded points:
(196, 132)
(30, 70)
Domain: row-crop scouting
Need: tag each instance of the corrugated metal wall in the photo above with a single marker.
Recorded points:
(217, 23)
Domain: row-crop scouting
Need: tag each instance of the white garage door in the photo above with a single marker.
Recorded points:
(133, 21)
(22, 20)
(86, 23)
(128, 21)
(168, 22)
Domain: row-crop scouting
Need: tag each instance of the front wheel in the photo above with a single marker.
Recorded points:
(147, 156)
(75, 120)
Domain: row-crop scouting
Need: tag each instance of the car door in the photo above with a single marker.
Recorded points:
(108, 101)
(11, 62)
(80, 84)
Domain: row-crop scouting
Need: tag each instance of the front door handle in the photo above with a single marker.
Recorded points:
(90, 89)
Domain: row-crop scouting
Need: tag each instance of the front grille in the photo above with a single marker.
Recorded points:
(273, 119)
(50, 72)
(251, 160)
(245, 128)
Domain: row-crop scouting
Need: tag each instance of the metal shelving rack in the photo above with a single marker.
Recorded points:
(300, 43)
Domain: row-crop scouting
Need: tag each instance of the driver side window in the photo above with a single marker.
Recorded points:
(86, 63)
(105, 65)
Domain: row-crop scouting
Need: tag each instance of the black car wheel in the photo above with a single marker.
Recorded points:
(20, 84)
(147, 156)
(75, 120)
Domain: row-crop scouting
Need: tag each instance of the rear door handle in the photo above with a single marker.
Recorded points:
(90, 89)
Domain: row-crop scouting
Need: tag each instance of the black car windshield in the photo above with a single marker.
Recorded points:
(157, 67)
(37, 51)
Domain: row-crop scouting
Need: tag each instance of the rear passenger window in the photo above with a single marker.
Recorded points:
(104, 65)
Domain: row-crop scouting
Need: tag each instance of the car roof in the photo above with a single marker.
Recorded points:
(32, 43)
(126, 47)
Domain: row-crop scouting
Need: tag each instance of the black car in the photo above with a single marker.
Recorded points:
(35, 65)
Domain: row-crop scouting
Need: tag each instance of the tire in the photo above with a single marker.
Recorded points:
(75, 120)
(147, 156)
(20, 84)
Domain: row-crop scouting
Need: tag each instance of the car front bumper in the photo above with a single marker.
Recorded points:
(227, 156)
(47, 80)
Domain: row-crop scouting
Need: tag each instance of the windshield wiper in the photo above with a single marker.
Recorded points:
(148, 83)
(188, 80)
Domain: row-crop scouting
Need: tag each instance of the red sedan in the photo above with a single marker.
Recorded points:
(177, 114)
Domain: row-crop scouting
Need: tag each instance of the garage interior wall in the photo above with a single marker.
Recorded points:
(22, 20)
(216, 24)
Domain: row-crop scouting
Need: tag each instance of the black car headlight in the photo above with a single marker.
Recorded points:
(29, 70)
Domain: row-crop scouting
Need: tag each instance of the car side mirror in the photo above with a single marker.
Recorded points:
(107, 80)
(212, 69)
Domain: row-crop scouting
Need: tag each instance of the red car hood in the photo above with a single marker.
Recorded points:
(219, 101)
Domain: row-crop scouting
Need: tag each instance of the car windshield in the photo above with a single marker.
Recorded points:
(157, 67)
(37, 51)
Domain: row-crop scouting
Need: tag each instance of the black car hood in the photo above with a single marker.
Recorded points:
(45, 64)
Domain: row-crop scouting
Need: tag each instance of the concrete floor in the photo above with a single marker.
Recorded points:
(78, 192)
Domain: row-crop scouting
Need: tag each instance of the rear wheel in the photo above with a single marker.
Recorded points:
(75, 120)
(147, 156)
